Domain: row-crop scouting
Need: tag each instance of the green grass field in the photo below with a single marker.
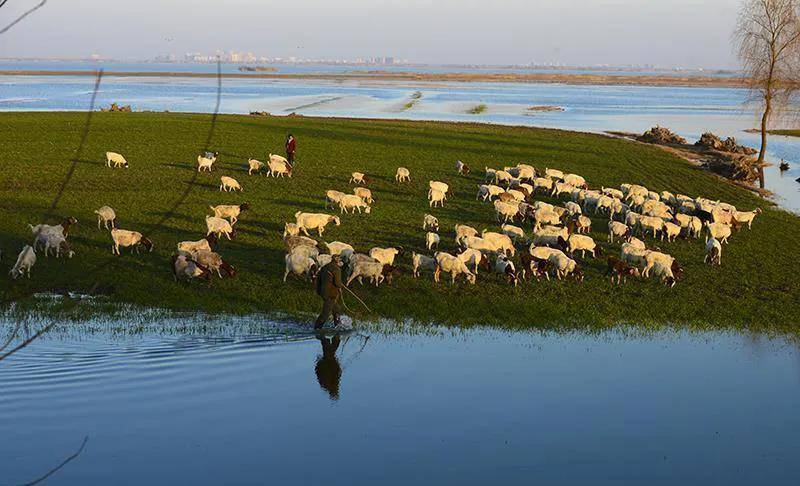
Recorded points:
(757, 286)
(788, 133)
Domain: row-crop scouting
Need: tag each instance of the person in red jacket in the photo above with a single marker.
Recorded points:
(291, 148)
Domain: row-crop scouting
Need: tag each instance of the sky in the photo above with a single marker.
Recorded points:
(667, 33)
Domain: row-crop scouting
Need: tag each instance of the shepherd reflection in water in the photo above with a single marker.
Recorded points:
(327, 368)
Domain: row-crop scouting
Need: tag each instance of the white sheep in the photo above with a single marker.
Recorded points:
(254, 166)
(651, 257)
(364, 194)
(504, 211)
(505, 267)
(562, 264)
(463, 231)
(560, 188)
(292, 242)
(332, 198)
(339, 248)
(713, 252)
(488, 191)
(436, 196)
(501, 242)
(385, 255)
(575, 180)
(421, 262)
(229, 184)
(550, 236)
(720, 231)
(742, 217)
(402, 175)
(373, 270)
(105, 216)
(306, 250)
(447, 263)
(553, 174)
(290, 229)
(620, 230)
(278, 166)
(116, 159)
(62, 229)
(431, 240)
(542, 183)
(300, 265)
(583, 224)
(610, 191)
(56, 242)
(502, 176)
(650, 223)
(543, 253)
(230, 211)
(353, 203)
(307, 221)
(473, 259)
(359, 178)
(671, 231)
(479, 244)
(184, 267)
(201, 244)
(430, 222)
(218, 227)
(543, 216)
(573, 208)
(513, 232)
(583, 244)
(126, 238)
(205, 163)
(25, 261)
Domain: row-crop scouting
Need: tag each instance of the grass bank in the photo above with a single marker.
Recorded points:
(757, 286)
(787, 133)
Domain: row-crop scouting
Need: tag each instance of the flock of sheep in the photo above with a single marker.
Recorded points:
(557, 233)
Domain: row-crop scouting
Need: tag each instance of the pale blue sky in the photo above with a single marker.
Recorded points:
(689, 33)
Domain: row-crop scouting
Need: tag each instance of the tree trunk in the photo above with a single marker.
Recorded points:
(762, 153)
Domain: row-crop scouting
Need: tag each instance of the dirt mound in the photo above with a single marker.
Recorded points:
(661, 136)
(711, 141)
(116, 107)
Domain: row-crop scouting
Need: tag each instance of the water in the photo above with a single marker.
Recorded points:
(246, 402)
(688, 111)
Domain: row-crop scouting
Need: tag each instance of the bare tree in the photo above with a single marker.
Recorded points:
(768, 40)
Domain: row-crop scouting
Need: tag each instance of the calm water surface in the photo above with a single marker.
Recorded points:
(251, 402)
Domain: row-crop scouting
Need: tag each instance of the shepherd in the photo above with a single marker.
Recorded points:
(329, 287)
(291, 148)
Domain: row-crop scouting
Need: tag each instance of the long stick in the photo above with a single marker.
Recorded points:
(358, 299)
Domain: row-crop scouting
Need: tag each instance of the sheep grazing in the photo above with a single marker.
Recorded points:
(292, 242)
(718, 231)
(542, 184)
(421, 262)
(431, 240)
(474, 259)
(299, 265)
(229, 184)
(502, 243)
(713, 252)
(505, 267)
(359, 178)
(376, 271)
(306, 250)
(573, 208)
(254, 165)
(552, 236)
(488, 191)
(291, 229)
(430, 222)
(514, 232)
(385, 255)
(317, 221)
(62, 229)
(651, 257)
(230, 211)
(463, 231)
(462, 168)
(575, 180)
(438, 186)
(219, 227)
(56, 242)
(544, 216)
(553, 174)
(402, 175)
(564, 266)
(671, 231)
(447, 263)
(208, 243)
(543, 252)
(364, 194)
(206, 163)
(620, 230)
(126, 238)
(501, 176)
(436, 196)
(185, 268)
(278, 166)
(25, 261)
(332, 198)
(105, 217)
(619, 270)
(650, 223)
(610, 191)
(742, 217)
(505, 211)
(339, 248)
(538, 268)
(214, 262)
(560, 188)
(583, 244)
(116, 159)
(353, 203)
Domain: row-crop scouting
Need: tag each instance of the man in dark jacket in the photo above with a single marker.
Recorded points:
(329, 287)
(291, 148)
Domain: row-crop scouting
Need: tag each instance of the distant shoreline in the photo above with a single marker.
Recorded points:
(556, 78)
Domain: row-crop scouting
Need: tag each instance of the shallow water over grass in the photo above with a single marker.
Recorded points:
(247, 401)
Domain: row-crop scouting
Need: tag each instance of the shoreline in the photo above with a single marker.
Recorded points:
(544, 78)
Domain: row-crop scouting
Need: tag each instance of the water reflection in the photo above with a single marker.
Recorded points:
(327, 367)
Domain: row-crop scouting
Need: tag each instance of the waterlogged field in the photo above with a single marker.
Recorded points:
(756, 287)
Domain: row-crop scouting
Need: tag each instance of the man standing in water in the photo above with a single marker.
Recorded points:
(329, 287)
(291, 148)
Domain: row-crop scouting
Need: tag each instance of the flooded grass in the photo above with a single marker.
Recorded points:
(477, 109)
(756, 288)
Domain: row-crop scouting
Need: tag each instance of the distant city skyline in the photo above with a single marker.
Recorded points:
(677, 34)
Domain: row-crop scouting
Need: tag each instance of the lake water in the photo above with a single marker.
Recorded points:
(687, 110)
(246, 401)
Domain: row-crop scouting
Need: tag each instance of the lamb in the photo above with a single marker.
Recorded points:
(671, 231)
(447, 263)
(430, 222)
(619, 270)
(364, 194)
(513, 232)
(742, 217)
(230, 211)
(620, 230)
(421, 262)
(105, 216)
(436, 196)
(299, 265)
(564, 265)
(502, 243)
(505, 267)
(278, 166)
(713, 252)
(254, 166)
(25, 261)
(185, 268)
(332, 198)
(353, 203)
(438, 186)
(462, 168)
(402, 175)
(339, 248)
(431, 240)
(504, 211)
(290, 229)
(214, 262)
(463, 231)
(206, 163)
(359, 178)
(116, 159)
(207, 243)
(583, 244)
(385, 255)
(127, 238)
(719, 231)
(229, 184)
(218, 227)
(473, 259)
(307, 221)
